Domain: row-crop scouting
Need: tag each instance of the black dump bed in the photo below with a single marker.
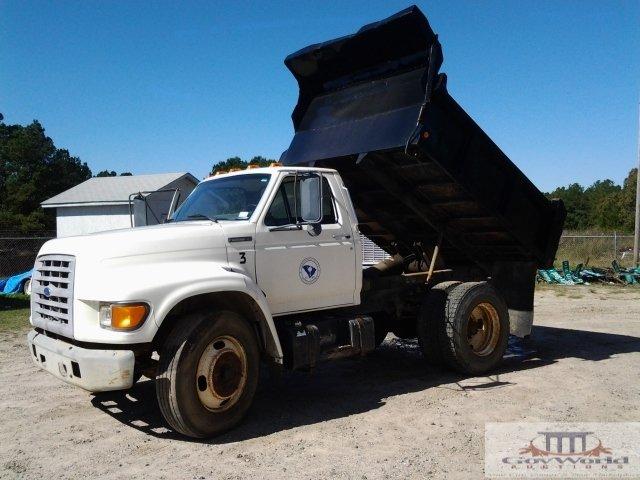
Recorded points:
(374, 106)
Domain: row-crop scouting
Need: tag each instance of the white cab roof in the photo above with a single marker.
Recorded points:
(271, 171)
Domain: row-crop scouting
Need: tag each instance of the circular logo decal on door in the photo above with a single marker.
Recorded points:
(309, 270)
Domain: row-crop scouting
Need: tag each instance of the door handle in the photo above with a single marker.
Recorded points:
(341, 236)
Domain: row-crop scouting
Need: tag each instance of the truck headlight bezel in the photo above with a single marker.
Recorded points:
(123, 316)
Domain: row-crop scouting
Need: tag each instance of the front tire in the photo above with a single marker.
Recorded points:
(208, 373)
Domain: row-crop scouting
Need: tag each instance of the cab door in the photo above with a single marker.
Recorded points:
(301, 268)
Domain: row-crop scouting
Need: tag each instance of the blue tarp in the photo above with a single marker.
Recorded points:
(14, 284)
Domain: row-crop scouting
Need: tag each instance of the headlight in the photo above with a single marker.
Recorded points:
(123, 316)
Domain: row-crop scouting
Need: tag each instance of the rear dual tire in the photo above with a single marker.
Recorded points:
(464, 326)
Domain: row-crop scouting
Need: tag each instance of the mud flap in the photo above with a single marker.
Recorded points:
(516, 283)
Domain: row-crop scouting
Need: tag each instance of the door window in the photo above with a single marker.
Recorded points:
(283, 212)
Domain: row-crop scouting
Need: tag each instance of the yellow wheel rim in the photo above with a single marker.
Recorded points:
(483, 329)
(221, 374)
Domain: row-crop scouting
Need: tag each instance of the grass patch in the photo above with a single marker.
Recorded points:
(14, 313)
(575, 295)
(19, 300)
(568, 291)
(559, 290)
(602, 290)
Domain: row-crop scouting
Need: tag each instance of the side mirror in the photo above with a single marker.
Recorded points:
(311, 199)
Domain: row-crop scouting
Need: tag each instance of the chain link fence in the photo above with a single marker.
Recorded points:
(596, 249)
(18, 252)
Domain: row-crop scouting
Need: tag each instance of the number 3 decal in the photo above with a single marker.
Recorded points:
(243, 257)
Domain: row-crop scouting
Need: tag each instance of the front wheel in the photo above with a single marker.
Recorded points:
(208, 373)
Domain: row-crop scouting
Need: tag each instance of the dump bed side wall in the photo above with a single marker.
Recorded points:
(487, 175)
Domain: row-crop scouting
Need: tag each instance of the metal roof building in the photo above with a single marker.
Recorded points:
(102, 203)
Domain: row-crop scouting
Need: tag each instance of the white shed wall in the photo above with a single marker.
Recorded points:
(88, 219)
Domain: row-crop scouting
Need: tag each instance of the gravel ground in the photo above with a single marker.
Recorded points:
(386, 416)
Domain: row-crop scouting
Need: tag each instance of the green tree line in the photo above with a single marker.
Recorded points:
(604, 205)
(237, 162)
(33, 169)
(107, 173)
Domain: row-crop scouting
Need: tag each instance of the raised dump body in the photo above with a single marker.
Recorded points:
(374, 106)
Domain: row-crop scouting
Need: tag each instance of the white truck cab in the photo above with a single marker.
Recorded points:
(235, 232)
(247, 237)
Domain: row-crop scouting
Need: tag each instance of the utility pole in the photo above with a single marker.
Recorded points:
(636, 238)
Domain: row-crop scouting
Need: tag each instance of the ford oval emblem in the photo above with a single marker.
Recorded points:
(47, 292)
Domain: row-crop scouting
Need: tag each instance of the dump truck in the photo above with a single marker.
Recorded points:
(263, 265)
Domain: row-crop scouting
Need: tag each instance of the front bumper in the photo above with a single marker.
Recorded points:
(88, 368)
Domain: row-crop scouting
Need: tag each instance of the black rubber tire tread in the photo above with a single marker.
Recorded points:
(178, 402)
(455, 350)
(430, 322)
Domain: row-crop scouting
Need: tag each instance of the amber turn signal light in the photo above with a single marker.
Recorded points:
(123, 316)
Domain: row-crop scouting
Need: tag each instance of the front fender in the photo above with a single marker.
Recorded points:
(224, 281)
(162, 285)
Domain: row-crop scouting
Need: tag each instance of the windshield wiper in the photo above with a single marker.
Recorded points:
(202, 216)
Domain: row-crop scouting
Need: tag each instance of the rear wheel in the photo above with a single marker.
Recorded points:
(471, 325)
(208, 373)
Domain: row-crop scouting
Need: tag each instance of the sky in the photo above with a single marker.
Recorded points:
(165, 86)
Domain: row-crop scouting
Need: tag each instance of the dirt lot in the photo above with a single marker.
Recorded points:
(387, 416)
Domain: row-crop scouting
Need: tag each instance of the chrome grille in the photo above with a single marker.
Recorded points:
(52, 294)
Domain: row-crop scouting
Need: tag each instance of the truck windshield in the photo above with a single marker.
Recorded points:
(230, 198)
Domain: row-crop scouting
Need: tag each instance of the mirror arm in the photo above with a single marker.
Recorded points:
(316, 229)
